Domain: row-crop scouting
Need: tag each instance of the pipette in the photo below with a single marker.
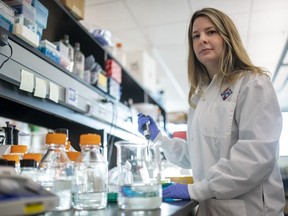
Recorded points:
(145, 128)
(146, 131)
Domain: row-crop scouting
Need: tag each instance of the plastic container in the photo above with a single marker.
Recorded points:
(7, 12)
(79, 61)
(18, 2)
(54, 170)
(6, 16)
(70, 56)
(113, 70)
(5, 24)
(139, 176)
(23, 7)
(41, 14)
(26, 34)
(90, 184)
(50, 50)
(64, 54)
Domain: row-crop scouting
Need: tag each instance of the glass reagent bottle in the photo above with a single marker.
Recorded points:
(90, 184)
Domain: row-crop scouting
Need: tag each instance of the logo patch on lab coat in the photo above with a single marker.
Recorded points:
(226, 93)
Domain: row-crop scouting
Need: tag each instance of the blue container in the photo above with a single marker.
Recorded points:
(41, 14)
(50, 54)
(27, 10)
(4, 23)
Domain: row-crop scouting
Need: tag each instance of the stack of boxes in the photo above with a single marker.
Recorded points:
(76, 7)
(41, 17)
(28, 18)
(114, 74)
(29, 21)
(6, 16)
(50, 50)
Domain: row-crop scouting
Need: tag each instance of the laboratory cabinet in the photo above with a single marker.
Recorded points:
(36, 90)
(20, 74)
(61, 22)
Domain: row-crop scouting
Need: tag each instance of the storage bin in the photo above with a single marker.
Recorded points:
(113, 69)
(23, 7)
(50, 50)
(26, 34)
(52, 54)
(7, 12)
(4, 23)
(41, 14)
(12, 3)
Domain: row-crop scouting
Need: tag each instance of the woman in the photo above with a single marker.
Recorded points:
(233, 127)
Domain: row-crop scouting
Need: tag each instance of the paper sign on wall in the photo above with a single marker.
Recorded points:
(40, 88)
(54, 92)
(27, 81)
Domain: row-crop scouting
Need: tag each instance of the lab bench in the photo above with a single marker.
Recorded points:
(177, 208)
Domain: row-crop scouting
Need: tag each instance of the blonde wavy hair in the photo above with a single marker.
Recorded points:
(233, 61)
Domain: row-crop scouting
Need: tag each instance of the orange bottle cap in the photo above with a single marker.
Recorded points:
(10, 157)
(18, 149)
(72, 155)
(34, 156)
(90, 139)
(55, 138)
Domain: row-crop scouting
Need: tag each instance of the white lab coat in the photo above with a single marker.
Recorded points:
(233, 148)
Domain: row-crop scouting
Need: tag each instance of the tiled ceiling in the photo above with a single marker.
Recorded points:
(159, 27)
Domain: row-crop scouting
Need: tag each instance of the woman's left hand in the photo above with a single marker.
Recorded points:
(177, 191)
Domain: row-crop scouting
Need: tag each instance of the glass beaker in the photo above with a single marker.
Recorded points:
(139, 175)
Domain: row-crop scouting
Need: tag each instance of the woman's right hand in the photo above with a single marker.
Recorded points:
(153, 129)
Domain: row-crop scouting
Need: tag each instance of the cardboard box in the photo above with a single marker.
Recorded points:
(77, 7)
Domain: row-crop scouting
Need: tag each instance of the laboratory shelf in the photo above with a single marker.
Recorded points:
(94, 112)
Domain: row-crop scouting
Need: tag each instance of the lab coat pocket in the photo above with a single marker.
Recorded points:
(226, 207)
(218, 119)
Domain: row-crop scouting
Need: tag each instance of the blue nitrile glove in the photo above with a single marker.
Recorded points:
(176, 191)
(153, 129)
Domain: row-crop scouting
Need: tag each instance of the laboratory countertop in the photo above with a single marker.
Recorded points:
(178, 208)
